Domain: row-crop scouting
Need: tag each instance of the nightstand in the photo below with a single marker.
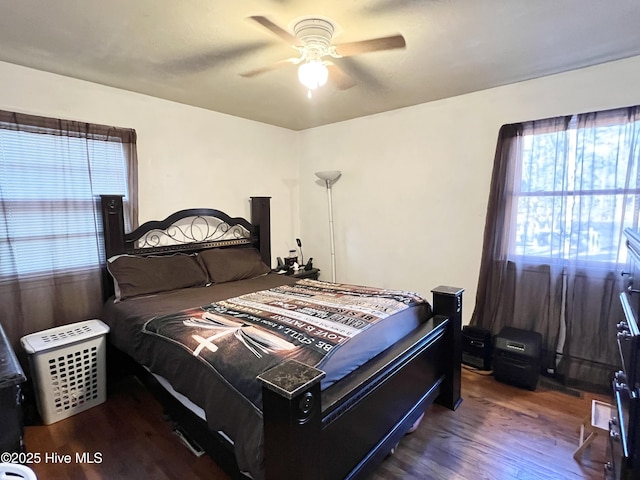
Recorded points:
(313, 273)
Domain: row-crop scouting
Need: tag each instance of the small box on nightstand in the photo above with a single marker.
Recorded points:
(312, 273)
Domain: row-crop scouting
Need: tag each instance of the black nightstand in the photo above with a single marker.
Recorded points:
(312, 273)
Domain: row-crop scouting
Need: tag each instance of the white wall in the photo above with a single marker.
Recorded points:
(409, 209)
(188, 157)
(410, 206)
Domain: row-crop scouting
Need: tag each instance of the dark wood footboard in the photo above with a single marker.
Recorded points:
(349, 428)
(344, 431)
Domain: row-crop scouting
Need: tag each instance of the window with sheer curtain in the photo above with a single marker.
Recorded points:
(562, 192)
(52, 173)
(575, 191)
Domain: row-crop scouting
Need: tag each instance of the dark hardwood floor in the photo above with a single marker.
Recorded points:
(499, 432)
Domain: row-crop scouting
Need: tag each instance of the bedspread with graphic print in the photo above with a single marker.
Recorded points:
(241, 337)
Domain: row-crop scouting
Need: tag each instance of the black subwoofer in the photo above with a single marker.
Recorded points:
(517, 357)
(477, 347)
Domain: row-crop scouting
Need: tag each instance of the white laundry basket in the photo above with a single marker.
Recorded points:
(16, 471)
(68, 365)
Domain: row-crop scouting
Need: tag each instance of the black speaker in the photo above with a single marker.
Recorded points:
(517, 357)
(477, 347)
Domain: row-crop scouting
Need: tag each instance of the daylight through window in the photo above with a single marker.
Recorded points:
(49, 187)
(575, 190)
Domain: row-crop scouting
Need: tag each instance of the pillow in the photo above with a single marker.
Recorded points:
(229, 264)
(134, 276)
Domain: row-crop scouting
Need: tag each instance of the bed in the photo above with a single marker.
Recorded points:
(267, 373)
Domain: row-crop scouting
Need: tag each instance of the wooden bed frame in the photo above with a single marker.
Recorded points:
(341, 432)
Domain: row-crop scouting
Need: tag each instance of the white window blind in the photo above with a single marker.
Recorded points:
(49, 188)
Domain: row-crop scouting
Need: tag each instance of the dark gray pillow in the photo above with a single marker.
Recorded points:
(229, 264)
(138, 275)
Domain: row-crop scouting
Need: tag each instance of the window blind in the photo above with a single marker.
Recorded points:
(49, 188)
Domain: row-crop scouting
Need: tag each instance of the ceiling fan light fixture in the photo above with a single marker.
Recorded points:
(313, 74)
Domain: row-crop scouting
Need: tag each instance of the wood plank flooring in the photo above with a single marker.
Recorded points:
(500, 432)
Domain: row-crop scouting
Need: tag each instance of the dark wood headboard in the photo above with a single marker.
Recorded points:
(209, 229)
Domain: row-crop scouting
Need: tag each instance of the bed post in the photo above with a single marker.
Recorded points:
(112, 224)
(292, 416)
(261, 219)
(447, 301)
(113, 231)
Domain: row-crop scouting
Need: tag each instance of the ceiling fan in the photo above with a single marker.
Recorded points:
(312, 38)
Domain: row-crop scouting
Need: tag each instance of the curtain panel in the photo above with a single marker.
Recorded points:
(562, 191)
(51, 252)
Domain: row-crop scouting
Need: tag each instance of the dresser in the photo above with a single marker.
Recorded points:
(624, 426)
(11, 379)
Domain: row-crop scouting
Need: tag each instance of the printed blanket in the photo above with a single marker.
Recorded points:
(241, 337)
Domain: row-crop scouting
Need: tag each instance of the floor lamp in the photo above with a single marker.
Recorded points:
(330, 178)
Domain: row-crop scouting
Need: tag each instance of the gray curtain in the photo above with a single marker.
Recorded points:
(553, 246)
(36, 300)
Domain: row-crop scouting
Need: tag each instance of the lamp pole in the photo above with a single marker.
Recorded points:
(331, 236)
(329, 178)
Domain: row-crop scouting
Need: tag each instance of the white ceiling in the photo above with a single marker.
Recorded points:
(193, 51)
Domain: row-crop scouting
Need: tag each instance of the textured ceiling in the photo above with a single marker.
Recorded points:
(193, 51)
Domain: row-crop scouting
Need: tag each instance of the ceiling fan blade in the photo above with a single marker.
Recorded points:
(275, 29)
(269, 68)
(361, 74)
(390, 6)
(373, 45)
(339, 77)
(204, 61)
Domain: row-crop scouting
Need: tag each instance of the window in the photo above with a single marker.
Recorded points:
(562, 191)
(52, 173)
(576, 189)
